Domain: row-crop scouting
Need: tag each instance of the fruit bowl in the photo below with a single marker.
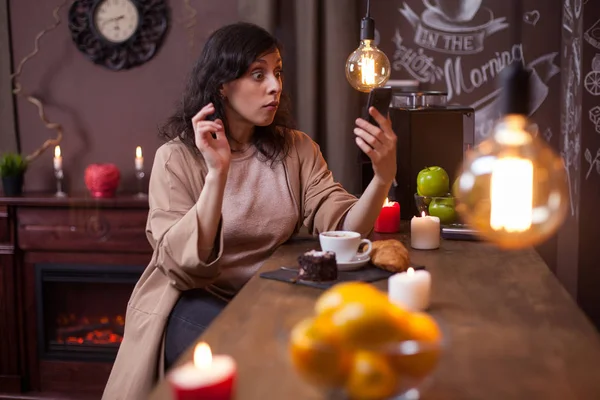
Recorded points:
(442, 207)
(359, 345)
(380, 373)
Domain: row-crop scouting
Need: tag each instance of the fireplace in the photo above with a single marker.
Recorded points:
(69, 265)
(81, 310)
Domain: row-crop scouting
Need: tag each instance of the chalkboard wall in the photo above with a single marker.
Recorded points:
(460, 46)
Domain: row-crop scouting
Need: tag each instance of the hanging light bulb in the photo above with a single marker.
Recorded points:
(512, 188)
(367, 67)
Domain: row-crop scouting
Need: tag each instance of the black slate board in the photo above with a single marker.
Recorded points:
(368, 274)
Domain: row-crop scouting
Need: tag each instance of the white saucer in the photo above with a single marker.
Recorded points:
(354, 264)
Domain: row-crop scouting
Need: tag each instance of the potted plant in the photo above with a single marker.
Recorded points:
(12, 170)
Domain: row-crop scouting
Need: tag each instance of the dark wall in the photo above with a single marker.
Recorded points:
(462, 51)
(560, 41)
(589, 277)
(8, 138)
(464, 58)
(105, 114)
(578, 251)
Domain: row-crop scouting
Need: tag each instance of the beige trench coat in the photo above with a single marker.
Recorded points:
(175, 185)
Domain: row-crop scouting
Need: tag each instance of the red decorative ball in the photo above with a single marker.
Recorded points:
(102, 180)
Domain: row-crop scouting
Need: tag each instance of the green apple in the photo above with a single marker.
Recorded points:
(433, 181)
(443, 208)
(426, 200)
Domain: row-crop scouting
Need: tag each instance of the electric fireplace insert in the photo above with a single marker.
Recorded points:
(81, 310)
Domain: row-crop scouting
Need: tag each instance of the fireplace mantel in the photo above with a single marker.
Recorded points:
(39, 228)
(80, 200)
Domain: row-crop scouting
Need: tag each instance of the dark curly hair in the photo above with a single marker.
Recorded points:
(226, 56)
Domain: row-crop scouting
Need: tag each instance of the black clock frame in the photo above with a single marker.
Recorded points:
(153, 23)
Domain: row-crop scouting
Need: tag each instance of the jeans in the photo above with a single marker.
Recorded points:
(192, 314)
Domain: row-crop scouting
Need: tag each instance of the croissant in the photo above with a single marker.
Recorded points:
(390, 255)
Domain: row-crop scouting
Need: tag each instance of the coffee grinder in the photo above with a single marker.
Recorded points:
(430, 133)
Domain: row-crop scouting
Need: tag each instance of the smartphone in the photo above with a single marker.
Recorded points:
(380, 98)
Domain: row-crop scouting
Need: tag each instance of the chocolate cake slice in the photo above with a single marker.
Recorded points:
(317, 266)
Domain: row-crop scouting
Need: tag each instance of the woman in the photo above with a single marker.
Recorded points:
(233, 183)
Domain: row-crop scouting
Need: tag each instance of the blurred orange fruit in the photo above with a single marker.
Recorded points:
(419, 358)
(421, 326)
(371, 377)
(317, 354)
(369, 324)
(345, 292)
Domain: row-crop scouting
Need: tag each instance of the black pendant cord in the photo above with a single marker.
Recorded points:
(515, 80)
(518, 21)
(367, 25)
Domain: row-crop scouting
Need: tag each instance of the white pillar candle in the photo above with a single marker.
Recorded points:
(139, 160)
(410, 290)
(57, 158)
(425, 232)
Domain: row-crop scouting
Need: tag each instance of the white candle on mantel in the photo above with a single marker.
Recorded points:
(139, 160)
(410, 290)
(425, 232)
(57, 158)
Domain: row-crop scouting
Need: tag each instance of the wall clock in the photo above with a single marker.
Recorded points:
(118, 34)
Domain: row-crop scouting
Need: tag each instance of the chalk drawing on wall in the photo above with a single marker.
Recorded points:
(576, 46)
(570, 153)
(487, 109)
(577, 6)
(592, 79)
(457, 27)
(416, 62)
(595, 117)
(592, 35)
(593, 162)
(535, 129)
(567, 16)
(452, 28)
(531, 17)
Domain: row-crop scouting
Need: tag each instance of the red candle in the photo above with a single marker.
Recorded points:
(389, 218)
(207, 377)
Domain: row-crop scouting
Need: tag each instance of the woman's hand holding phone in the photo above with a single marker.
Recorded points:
(211, 141)
(379, 144)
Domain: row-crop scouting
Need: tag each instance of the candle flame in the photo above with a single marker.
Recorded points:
(138, 152)
(410, 271)
(57, 151)
(386, 203)
(423, 214)
(202, 355)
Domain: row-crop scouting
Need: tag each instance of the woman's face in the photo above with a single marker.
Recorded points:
(255, 96)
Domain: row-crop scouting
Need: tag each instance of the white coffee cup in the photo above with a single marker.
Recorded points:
(344, 244)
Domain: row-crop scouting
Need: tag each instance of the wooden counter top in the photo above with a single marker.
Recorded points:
(511, 330)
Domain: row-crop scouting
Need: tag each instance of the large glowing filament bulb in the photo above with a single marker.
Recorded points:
(511, 194)
(512, 187)
(367, 66)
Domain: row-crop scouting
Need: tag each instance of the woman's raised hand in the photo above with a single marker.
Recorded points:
(379, 143)
(211, 140)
